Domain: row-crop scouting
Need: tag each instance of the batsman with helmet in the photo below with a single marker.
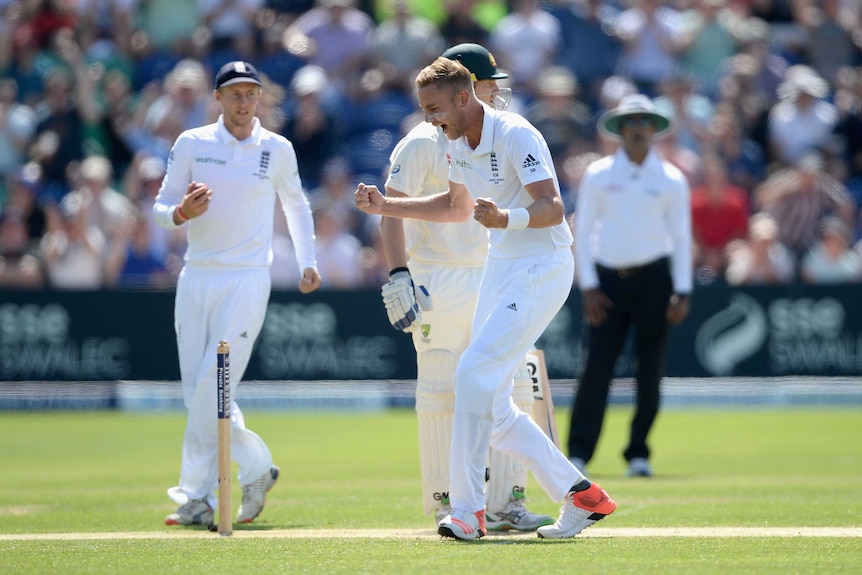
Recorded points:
(444, 261)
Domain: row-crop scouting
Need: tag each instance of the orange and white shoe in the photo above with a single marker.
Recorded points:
(580, 510)
(465, 525)
(254, 496)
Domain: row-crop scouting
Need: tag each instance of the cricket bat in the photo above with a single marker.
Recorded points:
(543, 406)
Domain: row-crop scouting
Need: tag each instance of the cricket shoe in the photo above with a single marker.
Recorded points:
(580, 509)
(639, 467)
(194, 512)
(254, 496)
(516, 516)
(441, 512)
(463, 525)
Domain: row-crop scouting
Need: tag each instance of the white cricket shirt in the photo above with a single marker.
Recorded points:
(511, 154)
(629, 215)
(419, 166)
(236, 231)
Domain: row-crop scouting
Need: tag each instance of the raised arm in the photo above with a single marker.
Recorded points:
(454, 205)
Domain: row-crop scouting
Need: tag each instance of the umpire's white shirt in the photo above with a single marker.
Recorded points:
(511, 154)
(629, 215)
(236, 231)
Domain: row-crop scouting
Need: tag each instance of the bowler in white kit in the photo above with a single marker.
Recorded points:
(221, 182)
(501, 173)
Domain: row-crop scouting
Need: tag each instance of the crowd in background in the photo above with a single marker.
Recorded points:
(766, 97)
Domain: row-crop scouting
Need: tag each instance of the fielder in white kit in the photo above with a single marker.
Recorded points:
(222, 180)
(504, 162)
(447, 259)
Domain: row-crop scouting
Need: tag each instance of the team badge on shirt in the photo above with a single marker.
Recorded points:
(263, 166)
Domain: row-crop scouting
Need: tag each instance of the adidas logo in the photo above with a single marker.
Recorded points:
(244, 334)
(512, 307)
(530, 161)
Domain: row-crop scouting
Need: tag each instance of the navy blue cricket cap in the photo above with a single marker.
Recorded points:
(236, 72)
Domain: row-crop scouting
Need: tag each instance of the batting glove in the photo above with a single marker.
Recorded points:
(404, 301)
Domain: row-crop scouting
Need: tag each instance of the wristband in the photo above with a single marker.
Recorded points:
(182, 214)
(518, 219)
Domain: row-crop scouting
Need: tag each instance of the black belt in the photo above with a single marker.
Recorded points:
(631, 271)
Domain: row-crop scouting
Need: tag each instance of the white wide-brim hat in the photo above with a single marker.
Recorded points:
(634, 105)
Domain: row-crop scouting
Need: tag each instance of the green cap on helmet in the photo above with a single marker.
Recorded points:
(477, 59)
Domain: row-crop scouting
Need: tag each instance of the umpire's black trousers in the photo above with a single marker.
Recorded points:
(640, 298)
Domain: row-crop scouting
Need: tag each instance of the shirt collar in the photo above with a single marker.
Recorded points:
(651, 163)
(228, 138)
(486, 140)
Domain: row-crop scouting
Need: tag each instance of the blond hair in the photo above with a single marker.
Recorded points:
(445, 74)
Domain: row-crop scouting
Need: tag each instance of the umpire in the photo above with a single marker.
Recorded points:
(633, 238)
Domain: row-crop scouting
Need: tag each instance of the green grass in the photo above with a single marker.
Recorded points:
(107, 472)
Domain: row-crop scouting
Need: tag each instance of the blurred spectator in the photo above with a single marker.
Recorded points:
(141, 186)
(288, 9)
(571, 174)
(152, 64)
(831, 27)
(168, 24)
(116, 116)
(334, 35)
(21, 58)
(706, 41)
(337, 249)
(336, 192)
(270, 109)
(187, 96)
(741, 156)
(797, 198)
(23, 197)
(758, 68)
(105, 208)
(687, 161)
(407, 41)
(690, 110)
(762, 259)
(74, 255)
(274, 61)
(311, 125)
(589, 49)
(848, 130)
(525, 42)
(377, 109)
(131, 261)
(461, 25)
(228, 20)
(106, 21)
(59, 133)
(803, 120)
(563, 120)
(651, 33)
(20, 266)
(831, 259)
(17, 127)
(719, 215)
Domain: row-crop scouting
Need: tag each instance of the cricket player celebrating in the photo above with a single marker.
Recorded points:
(501, 173)
(221, 182)
(447, 259)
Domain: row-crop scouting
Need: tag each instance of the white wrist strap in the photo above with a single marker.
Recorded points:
(519, 219)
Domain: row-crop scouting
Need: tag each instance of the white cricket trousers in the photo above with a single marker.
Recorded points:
(518, 298)
(214, 304)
